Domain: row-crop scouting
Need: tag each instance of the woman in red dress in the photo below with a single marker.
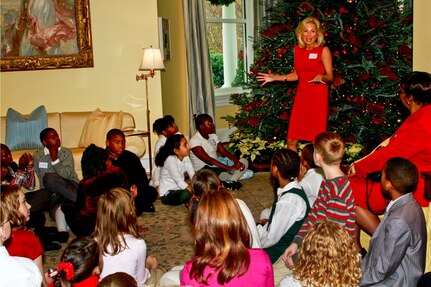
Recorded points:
(312, 70)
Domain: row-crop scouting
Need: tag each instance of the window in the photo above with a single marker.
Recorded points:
(230, 31)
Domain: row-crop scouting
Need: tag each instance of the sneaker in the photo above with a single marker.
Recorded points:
(232, 185)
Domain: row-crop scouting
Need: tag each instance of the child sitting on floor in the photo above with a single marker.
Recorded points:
(173, 158)
(23, 242)
(335, 199)
(205, 145)
(21, 174)
(310, 175)
(164, 128)
(131, 165)
(328, 257)
(289, 209)
(123, 249)
(14, 271)
(80, 264)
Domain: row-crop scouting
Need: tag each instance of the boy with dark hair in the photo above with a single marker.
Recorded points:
(279, 225)
(21, 174)
(396, 256)
(143, 194)
(55, 170)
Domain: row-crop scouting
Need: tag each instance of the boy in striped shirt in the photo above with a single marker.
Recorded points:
(335, 199)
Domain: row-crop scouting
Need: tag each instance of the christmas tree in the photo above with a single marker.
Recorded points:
(370, 42)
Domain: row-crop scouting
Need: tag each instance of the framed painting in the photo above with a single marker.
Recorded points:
(165, 39)
(45, 34)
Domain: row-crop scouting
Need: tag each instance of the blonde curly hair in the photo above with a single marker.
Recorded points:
(328, 257)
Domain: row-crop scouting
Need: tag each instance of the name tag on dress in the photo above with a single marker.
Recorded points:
(43, 165)
(312, 56)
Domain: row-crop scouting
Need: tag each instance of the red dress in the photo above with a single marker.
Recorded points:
(310, 108)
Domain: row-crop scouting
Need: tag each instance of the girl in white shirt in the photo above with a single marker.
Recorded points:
(173, 158)
(123, 249)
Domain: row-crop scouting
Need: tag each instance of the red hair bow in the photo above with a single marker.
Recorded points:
(67, 267)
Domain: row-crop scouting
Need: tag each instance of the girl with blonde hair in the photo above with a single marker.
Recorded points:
(123, 249)
(22, 242)
(223, 256)
(328, 257)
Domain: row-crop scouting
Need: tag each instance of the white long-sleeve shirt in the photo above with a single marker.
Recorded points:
(288, 209)
(172, 174)
(155, 177)
(311, 183)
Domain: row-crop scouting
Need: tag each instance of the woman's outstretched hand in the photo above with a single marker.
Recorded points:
(265, 78)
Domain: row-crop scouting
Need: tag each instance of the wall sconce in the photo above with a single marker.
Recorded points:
(151, 61)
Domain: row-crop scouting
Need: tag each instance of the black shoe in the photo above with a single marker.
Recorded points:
(149, 208)
(51, 246)
(54, 235)
(61, 236)
(232, 185)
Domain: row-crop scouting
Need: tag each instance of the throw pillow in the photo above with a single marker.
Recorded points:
(97, 126)
(23, 133)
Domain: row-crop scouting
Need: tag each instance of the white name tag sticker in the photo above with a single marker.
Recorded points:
(312, 56)
(43, 165)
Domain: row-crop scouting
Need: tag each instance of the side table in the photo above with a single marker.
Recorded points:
(143, 134)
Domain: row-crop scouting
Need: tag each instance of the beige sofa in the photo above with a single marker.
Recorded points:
(69, 126)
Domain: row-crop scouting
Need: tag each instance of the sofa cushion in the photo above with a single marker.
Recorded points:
(97, 126)
(23, 133)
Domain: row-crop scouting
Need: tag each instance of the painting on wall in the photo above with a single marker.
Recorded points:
(164, 39)
(45, 34)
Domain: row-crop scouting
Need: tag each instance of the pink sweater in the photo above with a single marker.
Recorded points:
(259, 273)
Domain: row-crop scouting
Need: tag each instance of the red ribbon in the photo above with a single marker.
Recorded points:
(67, 267)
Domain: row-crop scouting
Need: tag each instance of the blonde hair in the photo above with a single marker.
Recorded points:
(301, 27)
(331, 146)
(116, 216)
(10, 202)
(328, 257)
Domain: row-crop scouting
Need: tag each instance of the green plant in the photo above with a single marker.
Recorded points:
(217, 68)
(221, 2)
(253, 148)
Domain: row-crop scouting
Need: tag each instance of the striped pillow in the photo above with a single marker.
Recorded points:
(23, 133)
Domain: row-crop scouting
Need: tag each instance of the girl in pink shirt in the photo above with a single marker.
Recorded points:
(223, 256)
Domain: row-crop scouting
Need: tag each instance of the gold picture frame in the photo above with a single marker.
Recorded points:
(28, 45)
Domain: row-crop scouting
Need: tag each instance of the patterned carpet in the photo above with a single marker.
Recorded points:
(169, 235)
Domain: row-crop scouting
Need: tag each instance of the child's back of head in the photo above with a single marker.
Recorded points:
(80, 260)
(331, 146)
(327, 250)
(402, 174)
(287, 162)
(118, 279)
(116, 216)
(307, 156)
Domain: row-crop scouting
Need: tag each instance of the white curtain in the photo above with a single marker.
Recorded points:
(199, 75)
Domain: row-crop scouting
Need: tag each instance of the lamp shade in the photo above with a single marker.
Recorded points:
(151, 60)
